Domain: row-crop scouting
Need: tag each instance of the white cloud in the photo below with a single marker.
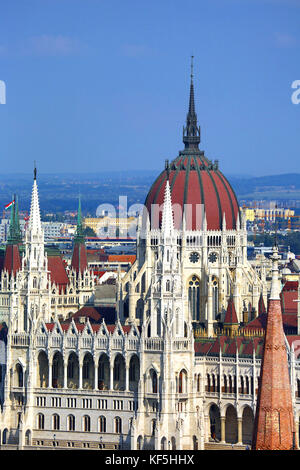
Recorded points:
(286, 40)
(52, 45)
(135, 50)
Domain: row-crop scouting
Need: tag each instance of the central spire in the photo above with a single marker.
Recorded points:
(191, 132)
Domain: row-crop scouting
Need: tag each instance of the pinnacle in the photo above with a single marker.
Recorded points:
(167, 215)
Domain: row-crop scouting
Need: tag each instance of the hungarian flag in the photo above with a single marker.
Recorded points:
(9, 205)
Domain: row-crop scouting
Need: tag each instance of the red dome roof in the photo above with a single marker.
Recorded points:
(194, 180)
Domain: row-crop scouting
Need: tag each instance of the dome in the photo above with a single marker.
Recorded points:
(196, 183)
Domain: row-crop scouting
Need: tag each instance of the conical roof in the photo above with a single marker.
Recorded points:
(274, 420)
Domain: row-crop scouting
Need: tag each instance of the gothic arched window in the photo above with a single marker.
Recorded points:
(194, 297)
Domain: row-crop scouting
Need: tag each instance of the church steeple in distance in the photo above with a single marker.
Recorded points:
(79, 237)
(79, 255)
(191, 132)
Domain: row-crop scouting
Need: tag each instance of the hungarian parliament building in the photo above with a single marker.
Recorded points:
(177, 366)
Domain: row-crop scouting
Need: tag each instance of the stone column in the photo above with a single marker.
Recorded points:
(240, 430)
(50, 375)
(80, 375)
(127, 378)
(210, 328)
(207, 428)
(95, 376)
(111, 377)
(223, 421)
(65, 375)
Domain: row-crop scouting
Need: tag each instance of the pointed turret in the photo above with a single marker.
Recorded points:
(231, 323)
(191, 132)
(35, 257)
(79, 256)
(274, 425)
(34, 224)
(167, 225)
(261, 305)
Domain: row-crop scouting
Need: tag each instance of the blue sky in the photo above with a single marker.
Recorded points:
(99, 85)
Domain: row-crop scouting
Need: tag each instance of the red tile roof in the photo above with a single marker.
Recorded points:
(229, 346)
(96, 314)
(122, 258)
(79, 257)
(230, 316)
(58, 272)
(12, 259)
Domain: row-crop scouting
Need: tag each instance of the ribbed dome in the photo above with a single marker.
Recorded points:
(194, 180)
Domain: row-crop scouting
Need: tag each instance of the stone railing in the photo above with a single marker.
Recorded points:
(154, 344)
(20, 339)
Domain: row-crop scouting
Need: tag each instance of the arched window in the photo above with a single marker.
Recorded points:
(198, 383)
(182, 379)
(71, 423)
(118, 425)
(153, 426)
(208, 383)
(163, 444)
(4, 436)
(213, 383)
(247, 391)
(102, 424)
(168, 288)
(85, 368)
(20, 377)
(242, 389)
(56, 422)
(28, 437)
(215, 296)
(194, 298)
(139, 443)
(86, 423)
(153, 376)
(41, 421)
(225, 384)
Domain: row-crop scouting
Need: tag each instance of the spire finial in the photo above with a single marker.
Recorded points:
(192, 67)
(167, 168)
(191, 132)
(34, 171)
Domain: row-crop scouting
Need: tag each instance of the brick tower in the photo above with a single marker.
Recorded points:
(274, 420)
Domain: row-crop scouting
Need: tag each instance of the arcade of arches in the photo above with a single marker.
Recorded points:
(104, 374)
(230, 427)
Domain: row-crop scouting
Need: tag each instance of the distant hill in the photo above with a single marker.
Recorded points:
(280, 187)
(59, 192)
